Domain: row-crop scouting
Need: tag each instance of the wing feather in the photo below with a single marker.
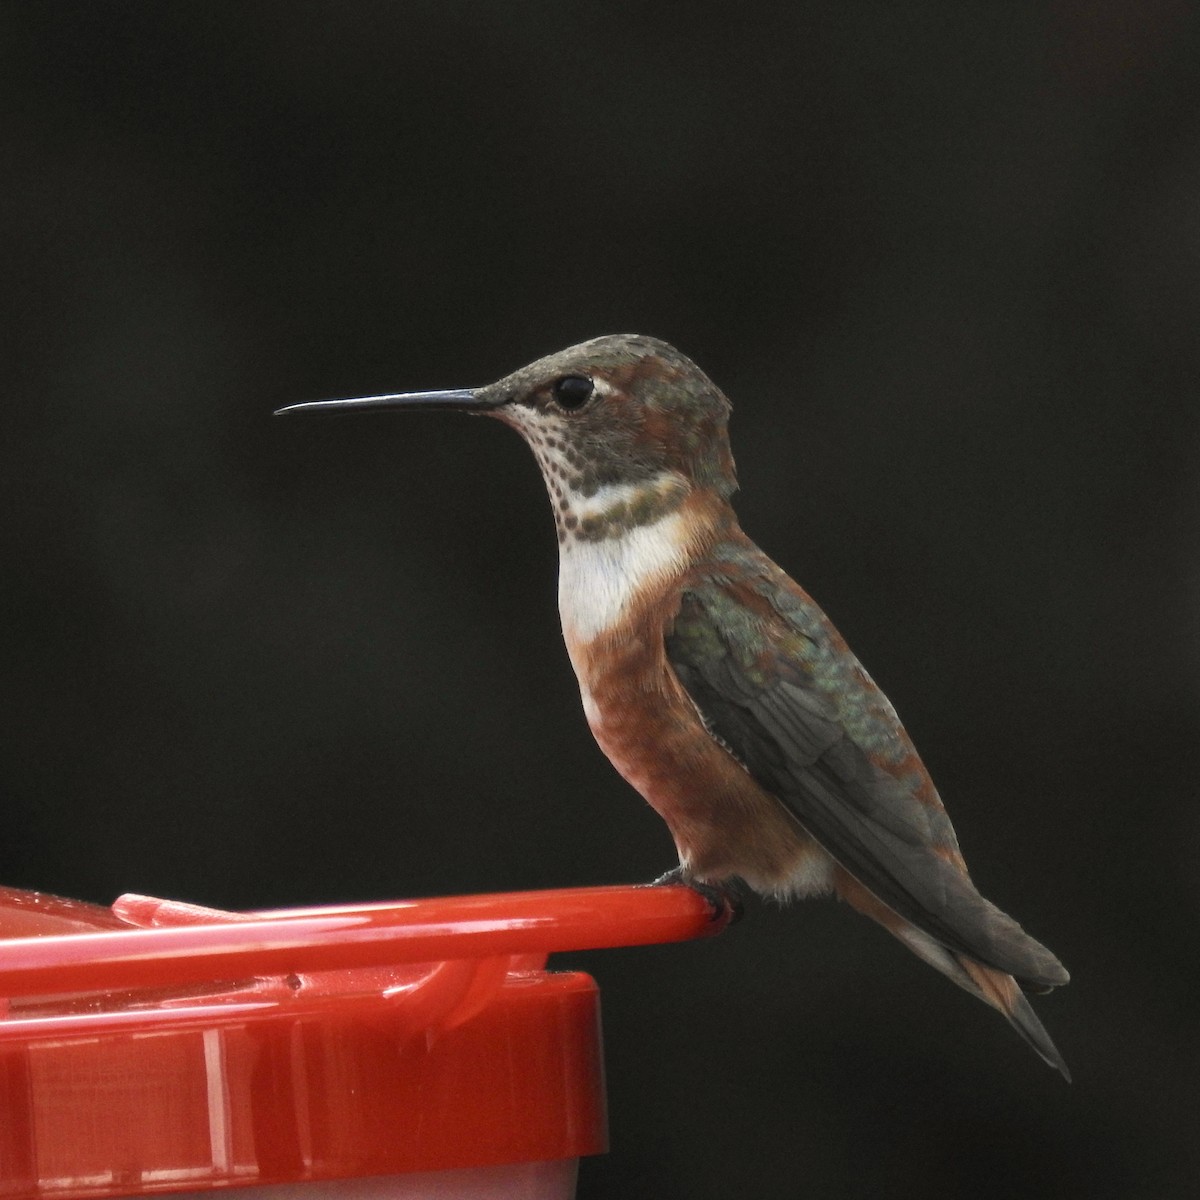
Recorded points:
(803, 718)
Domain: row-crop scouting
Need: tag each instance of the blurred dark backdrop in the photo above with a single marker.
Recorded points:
(945, 260)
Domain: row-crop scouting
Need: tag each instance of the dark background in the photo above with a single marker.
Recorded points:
(945, 260)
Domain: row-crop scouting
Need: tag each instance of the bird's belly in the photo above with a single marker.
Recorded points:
(722, 822)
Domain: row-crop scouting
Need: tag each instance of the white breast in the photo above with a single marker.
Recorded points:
(597, 580)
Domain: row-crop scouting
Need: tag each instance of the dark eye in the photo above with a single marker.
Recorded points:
(572, 391)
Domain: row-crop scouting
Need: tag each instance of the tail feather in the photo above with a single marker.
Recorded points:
(1003, 994)
(989, 985)
(992, 985)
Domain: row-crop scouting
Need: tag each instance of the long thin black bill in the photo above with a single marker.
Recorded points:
(461, 401)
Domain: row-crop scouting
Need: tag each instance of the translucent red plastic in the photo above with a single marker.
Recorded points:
(160, 1047)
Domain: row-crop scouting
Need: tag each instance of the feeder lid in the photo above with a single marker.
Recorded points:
(157, 1047)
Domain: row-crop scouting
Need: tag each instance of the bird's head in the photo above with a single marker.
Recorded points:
(624, 428)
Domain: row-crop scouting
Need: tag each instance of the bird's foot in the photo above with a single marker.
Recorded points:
(723, 898)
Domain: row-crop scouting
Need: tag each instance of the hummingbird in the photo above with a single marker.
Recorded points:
(716, 686)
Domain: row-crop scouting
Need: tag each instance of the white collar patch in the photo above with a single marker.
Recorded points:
(597, 580)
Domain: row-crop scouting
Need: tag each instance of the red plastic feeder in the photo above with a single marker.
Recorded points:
(413, 1049)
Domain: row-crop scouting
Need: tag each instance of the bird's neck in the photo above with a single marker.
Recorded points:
(625, 545)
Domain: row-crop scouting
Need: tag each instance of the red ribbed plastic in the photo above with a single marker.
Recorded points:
(160, 1047)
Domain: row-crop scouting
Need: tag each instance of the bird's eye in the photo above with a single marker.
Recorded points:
(572, 391)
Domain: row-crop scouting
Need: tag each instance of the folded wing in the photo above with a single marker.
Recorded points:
(777, 687)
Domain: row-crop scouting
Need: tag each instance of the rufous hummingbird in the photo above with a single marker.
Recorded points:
(716, 685)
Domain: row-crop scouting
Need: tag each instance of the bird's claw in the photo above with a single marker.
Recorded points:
(723, 898)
